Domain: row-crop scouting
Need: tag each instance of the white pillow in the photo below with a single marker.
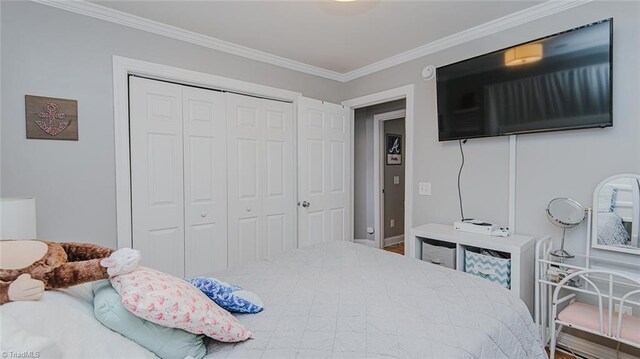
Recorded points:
(66, 318)
(15, 339)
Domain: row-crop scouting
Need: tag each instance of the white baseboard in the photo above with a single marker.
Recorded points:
(393, 240)
(365, 242)
(589, 349)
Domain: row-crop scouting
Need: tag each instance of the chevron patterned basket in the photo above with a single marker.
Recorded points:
(497, 270)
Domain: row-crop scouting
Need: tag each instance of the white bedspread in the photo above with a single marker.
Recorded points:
(344, 300)
(334, 300)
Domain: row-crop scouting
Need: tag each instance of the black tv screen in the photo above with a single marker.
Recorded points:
(559, 82)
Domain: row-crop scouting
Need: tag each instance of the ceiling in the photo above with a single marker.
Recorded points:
(335, 36)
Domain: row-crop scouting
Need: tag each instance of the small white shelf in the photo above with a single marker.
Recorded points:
(520, 249)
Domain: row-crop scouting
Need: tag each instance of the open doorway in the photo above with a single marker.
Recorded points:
(379, 175)
(390, 169)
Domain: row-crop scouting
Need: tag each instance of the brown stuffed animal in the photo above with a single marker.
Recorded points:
(27, 267)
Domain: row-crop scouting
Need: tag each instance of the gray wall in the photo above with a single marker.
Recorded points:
(549, 165)
(394, 193)
(51, 52)
(363, 165)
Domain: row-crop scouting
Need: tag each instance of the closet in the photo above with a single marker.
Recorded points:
(261, 192)
(212, 177)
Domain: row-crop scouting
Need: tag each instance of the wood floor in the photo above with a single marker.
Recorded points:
(560, 355)
(399, 249)
(396, 248)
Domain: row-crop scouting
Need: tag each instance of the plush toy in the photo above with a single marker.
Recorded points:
(28, 267)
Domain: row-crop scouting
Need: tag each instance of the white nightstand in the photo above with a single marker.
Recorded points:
(519, 248)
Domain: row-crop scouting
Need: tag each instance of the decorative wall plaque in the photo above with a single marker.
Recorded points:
(394, 149)
(51, 118)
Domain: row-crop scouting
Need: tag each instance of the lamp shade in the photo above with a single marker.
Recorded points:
(18, 218)
(523, 54)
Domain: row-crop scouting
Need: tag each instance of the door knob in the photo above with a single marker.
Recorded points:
(306, 204)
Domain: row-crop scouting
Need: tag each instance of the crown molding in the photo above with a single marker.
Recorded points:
(118, 17)
(140, 23)
(512, 20)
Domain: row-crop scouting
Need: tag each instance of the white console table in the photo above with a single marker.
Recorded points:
(519, 248)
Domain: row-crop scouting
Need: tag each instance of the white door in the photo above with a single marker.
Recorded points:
(278, 201)
(261, 178)
(324, 142)
(244, 161)
(157, 173)
(205, 180)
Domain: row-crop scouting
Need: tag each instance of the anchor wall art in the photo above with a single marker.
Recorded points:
(51, 118)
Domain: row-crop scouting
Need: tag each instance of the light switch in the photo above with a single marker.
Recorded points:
(424, 188)
(396, 179)
(393, 223)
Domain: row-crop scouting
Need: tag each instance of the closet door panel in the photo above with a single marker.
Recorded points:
(247, 168)
(276, 232)
(279, 195)
(160, 247)
(275, 169)
(205, 181)
(245, 177)
(156, 173)
(248, 237)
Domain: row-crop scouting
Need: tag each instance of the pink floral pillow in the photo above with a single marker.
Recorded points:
(172, 302)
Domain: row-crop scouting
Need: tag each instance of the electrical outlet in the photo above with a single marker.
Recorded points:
(396, 179)
(424, 188)
(393, 223)
(625, 309)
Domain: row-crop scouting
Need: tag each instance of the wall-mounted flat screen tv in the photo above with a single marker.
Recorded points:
(559, 82)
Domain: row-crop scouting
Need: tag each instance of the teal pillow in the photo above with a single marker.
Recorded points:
(164, 342)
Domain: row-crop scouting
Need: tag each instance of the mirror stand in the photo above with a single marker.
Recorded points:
(564, 213)
(561, 253)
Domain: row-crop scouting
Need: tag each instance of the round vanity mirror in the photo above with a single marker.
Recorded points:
(564, 213)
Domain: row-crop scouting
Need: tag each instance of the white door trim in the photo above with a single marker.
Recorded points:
(397, 93)
(393, 240)
(378, 173)
(122, 68)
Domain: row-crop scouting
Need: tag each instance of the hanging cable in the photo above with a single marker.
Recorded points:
(460, 142)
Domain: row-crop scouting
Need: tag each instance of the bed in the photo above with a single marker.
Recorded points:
(335, 300)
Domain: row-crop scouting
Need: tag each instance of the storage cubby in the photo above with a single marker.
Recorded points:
(439, 252)
(437, 239)
(494, 266)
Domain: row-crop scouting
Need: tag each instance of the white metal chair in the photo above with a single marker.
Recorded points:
(597, 319)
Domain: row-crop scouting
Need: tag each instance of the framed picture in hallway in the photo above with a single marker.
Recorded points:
(394, 149)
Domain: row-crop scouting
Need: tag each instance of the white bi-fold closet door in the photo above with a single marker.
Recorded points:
(211, 177)
(261, 175)
(178, 176)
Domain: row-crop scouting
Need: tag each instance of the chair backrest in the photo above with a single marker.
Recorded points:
(612, 279)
